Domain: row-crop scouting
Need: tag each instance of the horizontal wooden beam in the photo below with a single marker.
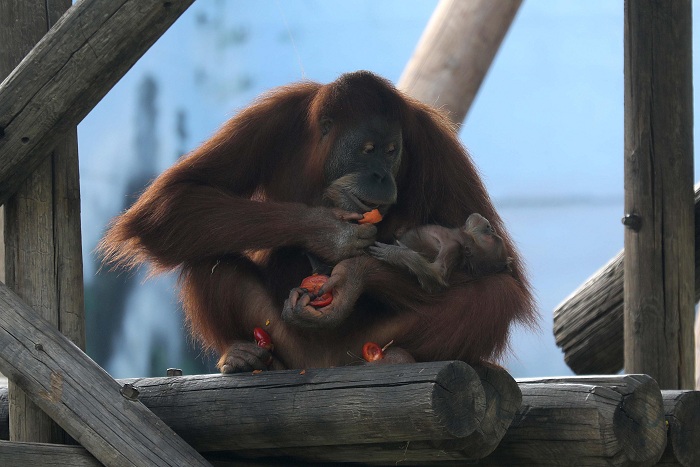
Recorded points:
(377, 410)
(599, 420)
(56, 455)
(317, 407)
(502, 404)
(80, 396)
(68, 72)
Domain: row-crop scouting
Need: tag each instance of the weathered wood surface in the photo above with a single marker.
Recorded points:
(317, 407)
(21, 454)
(503, 400)
(43, 244)
(659, 252)
(4, 413)
(205, 410)
(682, 411)
(90, 48)
(588, 324)
(697, 336)
(596, 421)
(455, 53)
(502, 403)
(80, 396)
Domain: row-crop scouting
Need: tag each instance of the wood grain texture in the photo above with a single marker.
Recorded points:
(502, 403)
(359, 404)
(455, 53)
(21, 454)
(585, 421)
(272, 413)
(256, 416)
(697, 334)
(682, 411)
(594, 420)
(79, 395)
(90, 48)
(503, 400)
(4, 413)
(588, 325)
(659, 256)
(42, 234)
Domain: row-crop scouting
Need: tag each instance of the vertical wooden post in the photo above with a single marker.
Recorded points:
(659, 237)
(697, 354)
(43, 255)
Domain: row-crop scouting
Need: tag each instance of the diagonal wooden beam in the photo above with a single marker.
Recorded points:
(66, 384)
(68, 72)
(455, 53)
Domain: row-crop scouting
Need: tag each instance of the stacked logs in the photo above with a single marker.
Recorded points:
(416, 414)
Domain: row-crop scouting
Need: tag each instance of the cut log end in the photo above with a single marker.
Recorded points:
(682, 410)
(457, 391)
(639, 423)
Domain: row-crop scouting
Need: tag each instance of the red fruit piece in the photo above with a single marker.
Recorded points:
(371, 352)
(263, 339)
(313, 284)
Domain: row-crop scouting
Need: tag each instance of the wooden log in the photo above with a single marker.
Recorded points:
(588, 324)
(21, 454)
(318, 407)
(659, 259)
(613, 420)
(585, 421)
(17, 454)
(267, 404)
(80, 396)
(455, 53)
(682, 411)
(502, 403)
(4, 413)
(381, 409)
(91, 47)
(503, 400)
(43, 244)
(606, 420)
(697, 340)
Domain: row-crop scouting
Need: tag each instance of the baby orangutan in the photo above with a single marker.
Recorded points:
(432, 252)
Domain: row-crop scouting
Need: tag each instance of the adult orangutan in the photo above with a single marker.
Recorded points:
(238, 215)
